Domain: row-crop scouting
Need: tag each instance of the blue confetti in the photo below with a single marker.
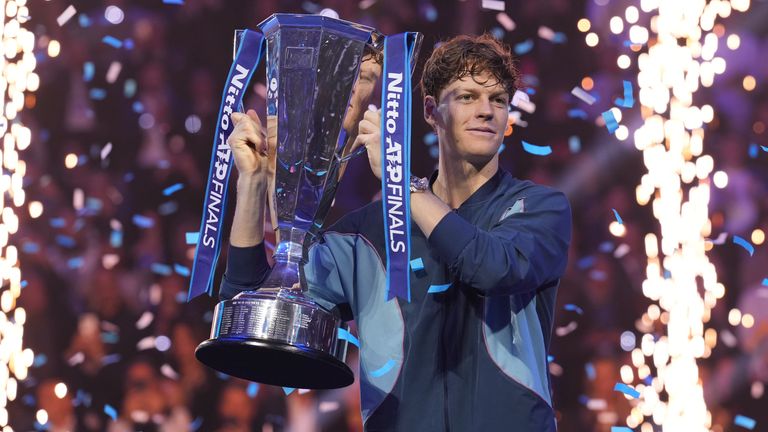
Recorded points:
(574, 308)
(192, 237)
(524, 47)
(618, 218)
(167, 208)
(288, 390)
(765, 149)
(417, 264)
(138, 107)
(82, 398)
(344, 334)
(765, 282)
(57, 222)
(590, 368)
(629, 100)
(40, 359)
(384, 369)
(93, 204)
(128, 43)
(143, 221)
(116, 239)
(161, 269)
(501, 148)
(110, 411)
(30, 247)
(438, 288)
(430, 138)
(129, 88)
(620, 429)
(577, 113)
(559, 38)
(24, 283)
(745, 244)
(550, 358)
(752, 150)
(112, 41)
(181, 270)
(109, 359)
(174, 2)
(586, 262)
(171, 189)
(196, 424)
(606, 247)
(110, 338)
(610, 121)
(744, 421)
(574, 144)
(627, 390)
(497, 32)
(75, 263)
(88, 71)
(65, 241)
(83, 20)
(253, 390)
(536, 149)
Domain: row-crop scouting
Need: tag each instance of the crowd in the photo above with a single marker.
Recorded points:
(119, 162)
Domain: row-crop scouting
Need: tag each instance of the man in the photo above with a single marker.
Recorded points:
(469, 351)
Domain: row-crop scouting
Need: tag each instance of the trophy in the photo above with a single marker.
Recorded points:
(277, 334)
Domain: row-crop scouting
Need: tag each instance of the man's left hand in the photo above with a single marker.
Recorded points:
(369, 135)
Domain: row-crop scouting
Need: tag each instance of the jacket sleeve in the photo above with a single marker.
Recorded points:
(247, 268)
(522, 252)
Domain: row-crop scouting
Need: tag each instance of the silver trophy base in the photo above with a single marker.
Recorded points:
(280, 338)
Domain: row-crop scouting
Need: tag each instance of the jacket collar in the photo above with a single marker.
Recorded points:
(483, 193)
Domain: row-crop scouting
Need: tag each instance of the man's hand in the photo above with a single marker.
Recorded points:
(369, 135)
(248, 142)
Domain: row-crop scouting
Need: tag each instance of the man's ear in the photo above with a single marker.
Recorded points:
(430, 110)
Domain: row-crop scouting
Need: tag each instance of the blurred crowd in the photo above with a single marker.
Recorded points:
(120, 151)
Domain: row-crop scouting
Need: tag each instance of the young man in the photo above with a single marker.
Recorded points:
(469, 352)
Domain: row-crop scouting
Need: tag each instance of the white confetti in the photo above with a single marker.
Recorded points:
(365, 4)
(517, 120)
(65, 16)
(304, 391)
(261, 90)
(596, 404)
(328, 406)
(720, 238)
(145, 320)
(146, 343)
(155, 294)
(583, 95)
(496, 5)
(76, 359)
(521, 100)
(78, 199)
(506, 21)
(728, 338)
(113, 72)
(109, 261)
(168, 372)
(562, 331)
(106, 150)
(620, 251)
(546, 33)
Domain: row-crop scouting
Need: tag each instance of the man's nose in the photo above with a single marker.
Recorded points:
(484, 108)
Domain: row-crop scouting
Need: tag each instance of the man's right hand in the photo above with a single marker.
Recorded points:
(249, 145)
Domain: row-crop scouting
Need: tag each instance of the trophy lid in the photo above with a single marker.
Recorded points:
(349, 29)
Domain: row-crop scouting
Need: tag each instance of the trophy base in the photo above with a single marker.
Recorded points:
(277, 337)
(275, 364)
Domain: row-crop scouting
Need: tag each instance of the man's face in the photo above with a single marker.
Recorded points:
(370, 71)
(469, 117)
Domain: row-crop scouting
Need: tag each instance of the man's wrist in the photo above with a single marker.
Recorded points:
(419, 185)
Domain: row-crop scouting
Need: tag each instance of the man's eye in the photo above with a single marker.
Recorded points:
(465, 97)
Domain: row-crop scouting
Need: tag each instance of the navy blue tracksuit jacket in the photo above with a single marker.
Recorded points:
(469, 352)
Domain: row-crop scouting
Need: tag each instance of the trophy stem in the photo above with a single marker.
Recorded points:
(287, 257)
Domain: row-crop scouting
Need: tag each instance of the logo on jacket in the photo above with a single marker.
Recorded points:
(518, 207)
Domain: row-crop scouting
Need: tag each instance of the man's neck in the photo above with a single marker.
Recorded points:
(457, 180)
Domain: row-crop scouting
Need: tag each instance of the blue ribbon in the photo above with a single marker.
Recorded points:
(209, 241)
(396, 164)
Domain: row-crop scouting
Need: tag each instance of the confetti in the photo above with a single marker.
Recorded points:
(765, 149)
(129, 88)
(496, 5)
(288, 390)
(110, 359)
(521, 100)
(745, 244)
(170, 190)
(589, 368)
(583, 95)
(328, 406)
(765, 282)
(112, 41)
(547, 33)
(628, 101)
(143, 221)
(744, 421)
(438, 288)
(565, 330)
(574, 144)
(110, 411)
(169, 372)
(114, 71)
(618, 218)
(627, 390)
(65, 16)
(621, 251)
(620, 429)
(146, 343)
(577, 113)
(88, 71)
(536, 149)
(191, 237)
(344, 334)
(610, 121)
(174, 2)
(505, 21)
(721, 238)
(417, 264)
(65, 241)
(97, 94)
(181, 270)
(524, 47)
(574, 308)
(252, 390)
(145, 320)
(384, 369)
(161, 269)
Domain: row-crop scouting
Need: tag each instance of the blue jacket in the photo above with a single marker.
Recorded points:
(469, 352)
